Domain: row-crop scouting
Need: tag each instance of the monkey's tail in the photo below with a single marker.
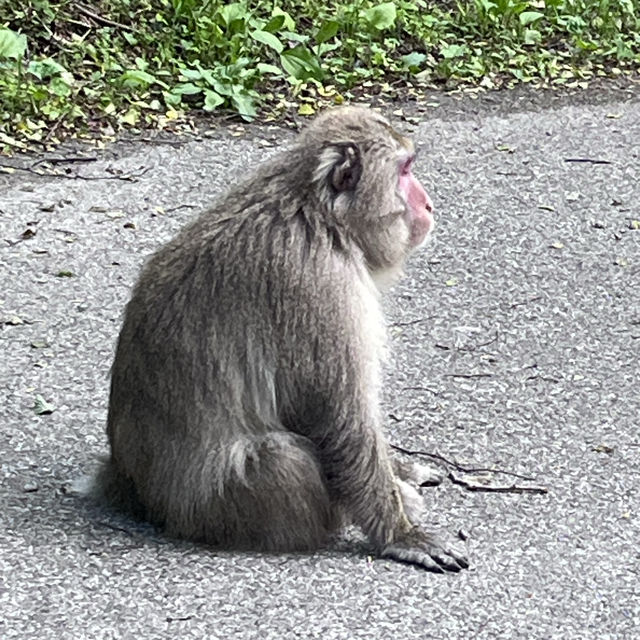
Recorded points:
(107, 486)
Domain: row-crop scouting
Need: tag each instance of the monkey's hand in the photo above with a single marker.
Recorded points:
(425, 550)
(419, 474)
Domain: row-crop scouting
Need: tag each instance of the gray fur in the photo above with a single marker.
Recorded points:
(244, 407)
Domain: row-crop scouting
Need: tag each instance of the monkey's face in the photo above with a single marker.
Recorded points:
(418, 205)
(366, 184)
(398, 215)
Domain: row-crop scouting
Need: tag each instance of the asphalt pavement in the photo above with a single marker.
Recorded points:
(516, 338)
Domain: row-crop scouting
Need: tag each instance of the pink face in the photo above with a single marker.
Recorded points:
(419, 204)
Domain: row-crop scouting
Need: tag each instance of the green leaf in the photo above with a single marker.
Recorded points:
(244, 105)
(212, 100)
(171, 99)
(223, 88)
(137, 78)
(327, 30)
(275, 24)
(186, 89)
(452, 51)
(130, 38)
(294, 37)
(141, 63)
(267, 38)
(12, 44)
(528, 17)
(46, 68)
(263, 68)
(305, 109)
(487, 5)
(208, 77)
(288, 22)
(300, 63)
(413, 60)
(59, 87)
(41, 407)
(382, 16)
(532, 36)
(131, 117)
(231, 13)
(191, 74)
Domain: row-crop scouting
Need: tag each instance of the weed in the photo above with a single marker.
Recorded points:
(67, 66)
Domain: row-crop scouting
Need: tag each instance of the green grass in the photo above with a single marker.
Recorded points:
(69, 67)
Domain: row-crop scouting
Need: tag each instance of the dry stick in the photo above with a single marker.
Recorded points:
(433, 391)
(543, 378)
(54, 128)
(468, 376)
(588, 160)
(99, 19)
(181, 206)
(478, 346)
(131, 177)
(135, 140)
(408, 323)
(513, 488)
(178, 618)
(113, 527)
(459, 467)
(63, 159)
(519, 304)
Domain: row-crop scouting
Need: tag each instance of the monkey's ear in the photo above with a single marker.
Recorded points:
(341, 166)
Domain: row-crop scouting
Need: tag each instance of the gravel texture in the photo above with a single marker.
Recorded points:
(516, 346)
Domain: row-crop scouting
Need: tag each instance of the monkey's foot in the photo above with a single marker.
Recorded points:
(422, 549)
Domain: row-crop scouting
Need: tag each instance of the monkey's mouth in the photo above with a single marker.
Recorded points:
(421, 229)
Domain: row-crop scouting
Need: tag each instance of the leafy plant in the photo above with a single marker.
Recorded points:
(65, 67)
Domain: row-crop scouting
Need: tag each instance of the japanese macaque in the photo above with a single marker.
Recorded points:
(245, 395)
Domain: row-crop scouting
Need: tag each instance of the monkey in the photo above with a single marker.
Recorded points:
(244, 407)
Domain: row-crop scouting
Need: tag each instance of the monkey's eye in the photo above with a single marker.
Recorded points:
(405, 165)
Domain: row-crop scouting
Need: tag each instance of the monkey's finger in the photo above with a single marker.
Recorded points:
(449, 558)
(412, 556)
(448, 561)
(462, 560)
(458, 556)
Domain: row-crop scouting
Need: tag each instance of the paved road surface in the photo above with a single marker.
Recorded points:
(517, 342)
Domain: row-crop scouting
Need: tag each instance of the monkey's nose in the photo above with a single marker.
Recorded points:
(428, 205)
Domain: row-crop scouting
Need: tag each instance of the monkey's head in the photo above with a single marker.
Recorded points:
(363, 179)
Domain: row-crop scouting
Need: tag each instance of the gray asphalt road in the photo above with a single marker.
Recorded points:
(517, 341)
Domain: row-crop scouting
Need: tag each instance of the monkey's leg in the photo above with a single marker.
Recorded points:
(273, 497)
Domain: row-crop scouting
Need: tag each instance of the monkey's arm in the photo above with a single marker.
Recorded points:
(359, 473)
(340, 387)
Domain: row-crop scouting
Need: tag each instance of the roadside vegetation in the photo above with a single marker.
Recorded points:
(95, 67)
